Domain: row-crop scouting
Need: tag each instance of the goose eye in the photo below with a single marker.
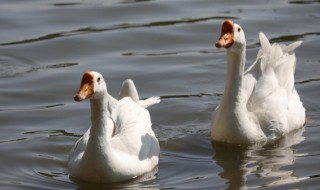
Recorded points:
(239, 29)
(98, 79)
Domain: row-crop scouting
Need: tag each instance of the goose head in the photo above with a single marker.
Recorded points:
(232, 37)
(92, 86)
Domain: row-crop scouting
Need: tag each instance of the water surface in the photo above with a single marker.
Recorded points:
(166, 47)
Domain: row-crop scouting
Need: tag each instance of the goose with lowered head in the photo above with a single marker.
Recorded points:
(120, 144)
(261, 104)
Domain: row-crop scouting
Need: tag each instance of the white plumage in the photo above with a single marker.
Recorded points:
(120, 144)
(261, 104)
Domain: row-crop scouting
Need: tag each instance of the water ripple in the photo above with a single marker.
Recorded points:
(13, 140)
(187, 157)
(203, 51)
(200, 95)
(13, 66)
(304, 2)
(54, 133)
(117, 27)
(308, 81)
(65, 4)
(134, 1)
(295, 37)
(18, 108)
(287, 38)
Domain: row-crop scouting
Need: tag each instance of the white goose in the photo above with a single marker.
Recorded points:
(120, 145)
(261, 104)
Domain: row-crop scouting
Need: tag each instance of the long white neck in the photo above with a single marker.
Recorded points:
(101, 128)
(100, 112)
(98, 116)
(232, 91)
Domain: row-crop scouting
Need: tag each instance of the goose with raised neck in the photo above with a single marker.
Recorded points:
(261, 104)
(120, 144)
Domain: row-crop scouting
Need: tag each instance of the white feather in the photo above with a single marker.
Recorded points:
(261, 104)
(120, 145)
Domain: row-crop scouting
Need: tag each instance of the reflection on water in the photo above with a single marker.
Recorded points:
(271, 162)
(145, 181)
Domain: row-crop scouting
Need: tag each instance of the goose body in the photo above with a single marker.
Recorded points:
(261, 104)
(120, 144)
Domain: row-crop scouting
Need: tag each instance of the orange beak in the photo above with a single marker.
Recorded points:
(86, 88)
(226, 39)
